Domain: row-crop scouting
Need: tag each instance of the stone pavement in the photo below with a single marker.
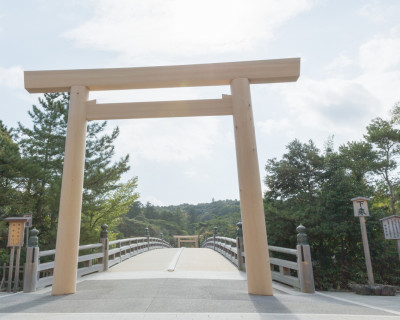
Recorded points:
(192, 291)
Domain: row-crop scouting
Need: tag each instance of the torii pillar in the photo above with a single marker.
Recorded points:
(239, 75)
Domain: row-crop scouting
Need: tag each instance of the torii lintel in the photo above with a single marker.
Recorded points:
(196, 75)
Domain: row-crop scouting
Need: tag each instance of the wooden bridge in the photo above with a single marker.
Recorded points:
(295, 272)
(183, 283)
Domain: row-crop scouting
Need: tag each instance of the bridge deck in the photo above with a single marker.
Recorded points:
(204, 285)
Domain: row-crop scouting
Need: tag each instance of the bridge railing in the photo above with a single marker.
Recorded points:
(295, 270)
(92, 258)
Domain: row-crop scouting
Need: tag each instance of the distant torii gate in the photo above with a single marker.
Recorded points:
(190, 239)
(239, 75)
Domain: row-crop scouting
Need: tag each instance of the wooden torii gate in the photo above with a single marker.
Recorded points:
(239, 75)
(189, 239)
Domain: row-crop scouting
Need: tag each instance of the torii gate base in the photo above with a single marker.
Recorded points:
(239, 75)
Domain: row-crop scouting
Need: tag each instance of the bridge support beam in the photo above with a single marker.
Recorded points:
(69, 218)
(254, 230)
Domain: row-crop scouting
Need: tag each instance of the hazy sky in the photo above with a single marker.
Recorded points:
(350, 59)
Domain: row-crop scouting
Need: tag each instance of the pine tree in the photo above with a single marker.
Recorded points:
(43, 147)
(11, 174)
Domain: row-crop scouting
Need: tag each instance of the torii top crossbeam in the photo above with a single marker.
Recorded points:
(212, 74)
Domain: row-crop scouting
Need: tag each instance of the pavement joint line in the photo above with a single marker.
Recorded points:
(219, 316)
(291, 291)
(155, 296)
(358, 303)
(174, 260)
(10, 295)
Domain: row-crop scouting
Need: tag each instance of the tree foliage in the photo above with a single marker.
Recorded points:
(32, 169)
(314, 189)
(184, 219)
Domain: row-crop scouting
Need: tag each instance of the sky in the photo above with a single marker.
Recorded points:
(350, 74)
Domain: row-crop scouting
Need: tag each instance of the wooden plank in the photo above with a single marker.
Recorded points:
(194, 237)
(87, 270)
(43, 282)
(92, 256)
(291, 281)
(283, 250)
(47, 253)
(113, 262)
(284, 263)
(46, 266)
(213, 74)
(90, 246)
(113, 251)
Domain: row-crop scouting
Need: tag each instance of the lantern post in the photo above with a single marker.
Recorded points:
(360, 205)
(15, 240)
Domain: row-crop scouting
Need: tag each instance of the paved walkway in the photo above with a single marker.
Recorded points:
(203, 285)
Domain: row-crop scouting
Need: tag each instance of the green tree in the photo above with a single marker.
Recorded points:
(43, 146)
(114, 205)
(386, 140)
(297, 175)
(360, 159)
(11, 174)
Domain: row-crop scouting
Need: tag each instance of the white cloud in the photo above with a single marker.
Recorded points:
(379, 11)
(380, 60)
(12, 77)
(272, 127)
(141, 31)
(331, 104)
(175, 141)
(373, 12)
(339, 64)
(344, 102)
(380, 54)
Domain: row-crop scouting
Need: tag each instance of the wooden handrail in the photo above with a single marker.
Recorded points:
(228, 248)
(100, 259)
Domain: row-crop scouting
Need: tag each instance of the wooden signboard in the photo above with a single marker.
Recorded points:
(391, 227)
(360, 205)
(16, 231)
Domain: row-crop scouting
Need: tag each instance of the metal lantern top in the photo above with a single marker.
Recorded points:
(360, 205)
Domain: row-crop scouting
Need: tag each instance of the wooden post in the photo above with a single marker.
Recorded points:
(69, 219)
(214, 236)
(16, 276)
(148, 238)
(240, 247)
(398, 247)
(104, 241)
(305, 272)
(254, 230)
(10, 270)
(366, 251)
(32, 262)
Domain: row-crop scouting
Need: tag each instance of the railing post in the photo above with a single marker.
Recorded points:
(148, 238)
(206, 241)
(304, 262)
(104, 241)
(32, 262)
(215, 235)
(240, 247)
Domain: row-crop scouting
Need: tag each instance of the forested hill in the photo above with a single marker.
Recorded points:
(191, 219)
